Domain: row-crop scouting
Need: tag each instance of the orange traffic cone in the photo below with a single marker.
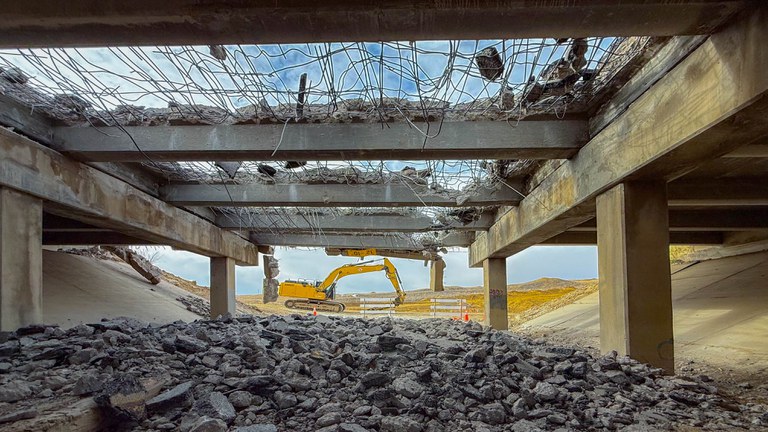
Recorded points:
(466, 317)
(314, 311)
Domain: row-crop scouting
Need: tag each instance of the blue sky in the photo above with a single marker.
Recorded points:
(565, 262)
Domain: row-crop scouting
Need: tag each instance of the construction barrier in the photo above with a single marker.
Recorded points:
(377, 306)
(448, 308)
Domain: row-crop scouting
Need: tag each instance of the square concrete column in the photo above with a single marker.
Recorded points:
(222, 286)
(633, 266)
(495, 288)
(436, 271)
(21, 260)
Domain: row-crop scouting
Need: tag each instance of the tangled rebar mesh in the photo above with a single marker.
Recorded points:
(422, 83)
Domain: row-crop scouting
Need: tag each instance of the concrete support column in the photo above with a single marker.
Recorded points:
(436, 271)
(495, 288)
(222, 286)
(633, 267)
(21, 260)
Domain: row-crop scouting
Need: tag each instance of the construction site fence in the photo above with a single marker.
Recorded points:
(448, 308)
(377, 307)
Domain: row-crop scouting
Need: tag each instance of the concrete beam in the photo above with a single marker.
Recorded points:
(719, 192)
(586, 238)
(528, 139)
(21, 260)
(79, 192)
(436, 271)
(712, 102)
(88, 238)
(345, 223)
(223, 287)
(342, 241)
(634, 273)
(46, 23)
(495, 291)
(422, 255)
(39, 127)
(714, 219)
(331, 195)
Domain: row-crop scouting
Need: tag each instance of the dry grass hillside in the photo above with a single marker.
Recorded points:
(540, 295)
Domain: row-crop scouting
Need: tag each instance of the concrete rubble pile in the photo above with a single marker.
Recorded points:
(345, 374)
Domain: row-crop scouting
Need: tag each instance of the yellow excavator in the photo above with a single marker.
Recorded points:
(308, 295)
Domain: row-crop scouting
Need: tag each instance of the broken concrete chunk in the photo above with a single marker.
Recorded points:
(177, 397)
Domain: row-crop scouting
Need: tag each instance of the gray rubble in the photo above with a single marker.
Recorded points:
(324, 373)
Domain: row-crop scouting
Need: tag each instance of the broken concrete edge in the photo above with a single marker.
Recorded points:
(142, 266)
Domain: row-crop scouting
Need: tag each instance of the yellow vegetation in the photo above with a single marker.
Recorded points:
(520, 301)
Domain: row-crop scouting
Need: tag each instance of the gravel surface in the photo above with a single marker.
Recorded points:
(285, 373)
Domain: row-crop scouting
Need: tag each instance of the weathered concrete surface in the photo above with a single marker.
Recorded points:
(436, 271)
(318, 222)
(349, 241)
(713, 102)
(553, 139)
(720, 313)
(400, 194)
(46, 23)
(83, 193)
(495, 292)
(633, 269)
(21, 261)
(80, 289)
(223, 287)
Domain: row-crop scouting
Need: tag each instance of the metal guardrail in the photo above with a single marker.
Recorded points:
(377, 306)
(448, 308)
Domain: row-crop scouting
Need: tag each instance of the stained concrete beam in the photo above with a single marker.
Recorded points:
(49, 23)
(79, 192)
(402, 194)
(296, 223)
(342, 241)
(711, 103)
(527, 139)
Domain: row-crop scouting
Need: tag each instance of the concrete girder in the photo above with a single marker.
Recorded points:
(345, 241)
(401, 194)
(587, 238)
(723, 192)
(90, 238)
(345, 223)
(79, 192)
(527, 139)
(711, 103)
(51, 23)
(705, 220)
